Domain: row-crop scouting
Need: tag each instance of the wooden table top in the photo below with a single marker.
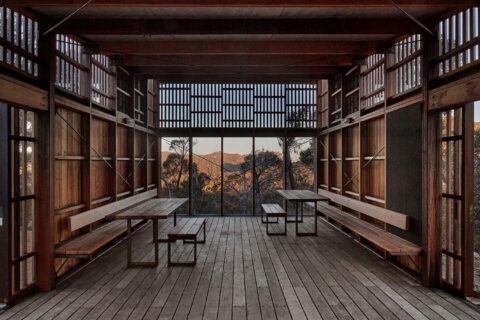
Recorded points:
(159, 208)
(301, 195)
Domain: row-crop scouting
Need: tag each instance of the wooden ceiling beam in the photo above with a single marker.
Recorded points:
(237, 26)
(228, 47)
(235, 70)
(223, 78)
(241, 3)
(236, 61)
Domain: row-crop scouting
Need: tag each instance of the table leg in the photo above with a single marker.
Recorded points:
(296, 217)
(129, 242)
(175, 219)
(129, 246)
(155, 239)
(315, 232)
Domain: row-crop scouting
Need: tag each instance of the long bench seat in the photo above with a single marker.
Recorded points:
(390, 243)
(85, 246)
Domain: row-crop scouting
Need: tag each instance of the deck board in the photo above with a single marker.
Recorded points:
(242, 273)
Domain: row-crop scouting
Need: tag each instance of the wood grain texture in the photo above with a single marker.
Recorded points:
(390, 217)
(243, 273)
(151, 209)
(85, 218)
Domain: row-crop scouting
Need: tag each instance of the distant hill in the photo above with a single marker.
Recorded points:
(476, 126)
(210, 163)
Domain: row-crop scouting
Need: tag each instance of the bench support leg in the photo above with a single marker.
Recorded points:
(278, 233)
(131, 263)
(266, 220)
(183, 263)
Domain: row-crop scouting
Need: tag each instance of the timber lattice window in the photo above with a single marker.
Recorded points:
(71, 66)
(458, 41)
(19, 41)
(102, 82)
(373, 82)
(404, 65)
(238, 105)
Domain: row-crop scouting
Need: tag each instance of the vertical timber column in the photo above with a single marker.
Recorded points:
(45, 238)
(430, 173)
(4, 197)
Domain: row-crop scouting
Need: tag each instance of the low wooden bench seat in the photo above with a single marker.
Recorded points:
(188, 231)
(390, 243)
(86, 245)
(273, 210)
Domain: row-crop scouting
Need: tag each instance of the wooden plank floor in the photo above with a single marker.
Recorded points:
(243, 273)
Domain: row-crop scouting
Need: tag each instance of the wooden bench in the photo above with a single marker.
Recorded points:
(390, 243)
(273, 210)
(187, 231)
(86, 245)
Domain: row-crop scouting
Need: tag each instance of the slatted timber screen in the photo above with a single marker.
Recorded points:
(19, 41)
(352, 90)
(152, 101)
(207, 105)
(102, 82)
(71, 66)
(322, 101)
(373, 82)
(404, 65)
(458, 41)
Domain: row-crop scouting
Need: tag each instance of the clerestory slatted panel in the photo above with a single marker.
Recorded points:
(71, 65)
(404, 65)
(102, 81)
(373, 82)
(248, 105)
(19, 41)
(458, 41)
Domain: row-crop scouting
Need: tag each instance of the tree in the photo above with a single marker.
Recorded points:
(175, 168)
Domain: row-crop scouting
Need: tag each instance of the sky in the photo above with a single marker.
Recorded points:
(204, 146)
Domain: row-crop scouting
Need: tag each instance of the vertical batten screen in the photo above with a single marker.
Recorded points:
(458, 41)
(404, 65)
(18, 41)
(102, 81)
(373, 82)
(70, 65)
(238, 105)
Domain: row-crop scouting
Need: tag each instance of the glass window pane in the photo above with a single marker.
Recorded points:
(206, 176)
(175, 169)
(238, 175)
(476, 197)
(268, 171)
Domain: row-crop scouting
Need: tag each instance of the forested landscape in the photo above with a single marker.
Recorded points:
(242, 178)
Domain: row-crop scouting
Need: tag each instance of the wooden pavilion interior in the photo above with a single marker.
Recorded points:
(236, 119)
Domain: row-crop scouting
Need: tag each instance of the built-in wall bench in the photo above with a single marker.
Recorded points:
(390, 243)
(86, 245)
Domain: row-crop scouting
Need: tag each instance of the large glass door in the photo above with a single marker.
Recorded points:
(475, 212)
(22, 213)
(451, 206)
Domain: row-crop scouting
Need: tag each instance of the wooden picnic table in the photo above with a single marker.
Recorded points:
(300, 197)
(153, 209)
